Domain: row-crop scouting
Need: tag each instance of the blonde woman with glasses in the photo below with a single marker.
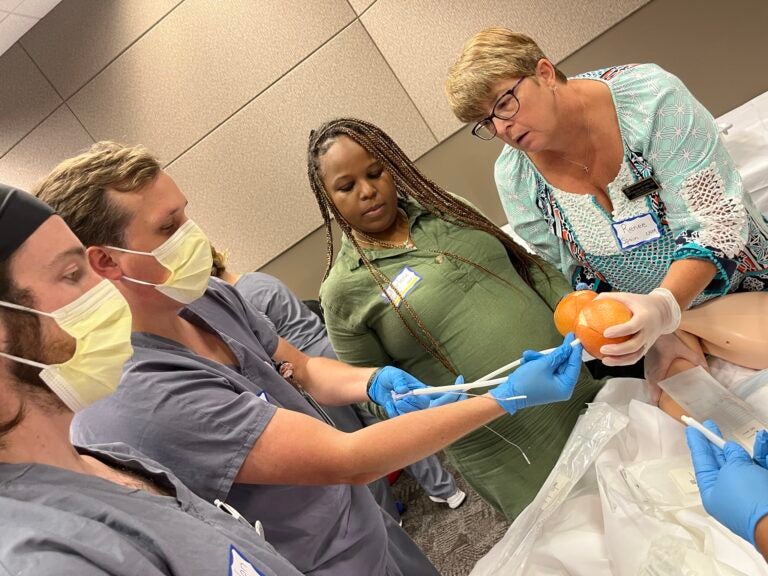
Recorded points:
(618, 178)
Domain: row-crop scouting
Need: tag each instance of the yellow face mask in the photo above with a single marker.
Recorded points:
(187, 255)
(100, 323)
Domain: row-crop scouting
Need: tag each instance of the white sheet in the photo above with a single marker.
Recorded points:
(601, 530)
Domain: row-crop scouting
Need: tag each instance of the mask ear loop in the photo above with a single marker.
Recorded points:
(137, 253)
(24, 309)
(21, 308)
(24, 361)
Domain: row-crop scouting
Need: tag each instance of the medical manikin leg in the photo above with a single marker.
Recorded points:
(732, 327)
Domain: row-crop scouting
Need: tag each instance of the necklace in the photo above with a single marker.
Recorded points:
(407, 243)
(584, 166)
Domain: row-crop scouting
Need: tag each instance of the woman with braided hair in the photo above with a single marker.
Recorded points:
(426, 282)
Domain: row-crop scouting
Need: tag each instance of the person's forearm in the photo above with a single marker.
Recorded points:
(687, 278)
(299, 449)
(761, 537)
(377, 450)
(333, 383)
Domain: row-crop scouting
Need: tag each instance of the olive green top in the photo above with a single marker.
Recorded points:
(481, 324)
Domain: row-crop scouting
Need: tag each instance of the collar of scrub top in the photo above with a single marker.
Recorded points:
(413, 209)
(20, 215)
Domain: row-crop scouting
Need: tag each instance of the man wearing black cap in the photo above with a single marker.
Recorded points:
(78, 511)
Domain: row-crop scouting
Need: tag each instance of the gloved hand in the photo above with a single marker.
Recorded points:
(734, 490)
(653, 314)
(414, 403)
(390, 379)
(760, 451)
(660, 356)
(543, 378)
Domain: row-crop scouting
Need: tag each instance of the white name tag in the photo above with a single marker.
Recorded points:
(239, 565)
(405, 281)
(636, 231)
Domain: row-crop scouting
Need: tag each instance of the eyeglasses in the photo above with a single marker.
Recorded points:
(504, 109)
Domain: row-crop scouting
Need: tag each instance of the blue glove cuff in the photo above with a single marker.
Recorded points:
(371, 382)
(511, 406)
(758, 515)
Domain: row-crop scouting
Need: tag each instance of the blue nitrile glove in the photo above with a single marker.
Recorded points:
(543, 378)
(413, 403)
(760, 452)
(734, 490)
(389, 379)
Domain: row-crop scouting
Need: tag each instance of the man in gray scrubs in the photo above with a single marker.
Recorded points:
(305, 330)
(201, 394)
(86, 511)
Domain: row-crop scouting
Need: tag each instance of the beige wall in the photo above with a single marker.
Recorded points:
(226, 91)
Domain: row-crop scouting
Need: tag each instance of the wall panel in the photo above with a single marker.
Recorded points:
(247, 181)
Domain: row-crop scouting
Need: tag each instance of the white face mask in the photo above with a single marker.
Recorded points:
(100, 323)
(187, 255)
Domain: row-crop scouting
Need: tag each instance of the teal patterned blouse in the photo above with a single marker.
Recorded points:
(701, 210)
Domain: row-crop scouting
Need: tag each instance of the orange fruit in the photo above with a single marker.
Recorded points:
(594, 318)
(567, 311)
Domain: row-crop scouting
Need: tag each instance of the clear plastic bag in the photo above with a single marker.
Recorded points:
(677, 557)
(592, 432)
(703, 397)
(665, 483)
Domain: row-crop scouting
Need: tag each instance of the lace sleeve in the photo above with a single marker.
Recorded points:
(701, 187)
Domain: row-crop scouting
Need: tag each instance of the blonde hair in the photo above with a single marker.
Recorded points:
(488, 57)
(78, 189)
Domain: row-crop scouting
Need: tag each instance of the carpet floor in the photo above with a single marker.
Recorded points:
(454, 540)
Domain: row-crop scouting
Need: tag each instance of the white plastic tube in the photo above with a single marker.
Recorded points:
(485, 381)
(708, 434)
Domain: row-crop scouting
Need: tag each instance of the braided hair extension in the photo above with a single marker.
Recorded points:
(411, 182)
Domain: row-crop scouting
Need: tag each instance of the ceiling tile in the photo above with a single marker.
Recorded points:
(35, 8)
(9, 5)
(12, 28)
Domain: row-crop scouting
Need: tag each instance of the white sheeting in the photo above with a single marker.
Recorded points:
(604, 528)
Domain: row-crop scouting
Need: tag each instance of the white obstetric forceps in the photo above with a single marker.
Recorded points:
(482, 382)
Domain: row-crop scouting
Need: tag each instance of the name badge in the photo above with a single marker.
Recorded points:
(405, 282)
(641, 188)
(239, 564)
(634, 232)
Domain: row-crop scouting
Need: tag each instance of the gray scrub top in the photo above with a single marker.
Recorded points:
(201, 419)
(55, 521)
(293, 320)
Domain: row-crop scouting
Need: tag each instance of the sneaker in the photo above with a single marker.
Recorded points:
(454, 500)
